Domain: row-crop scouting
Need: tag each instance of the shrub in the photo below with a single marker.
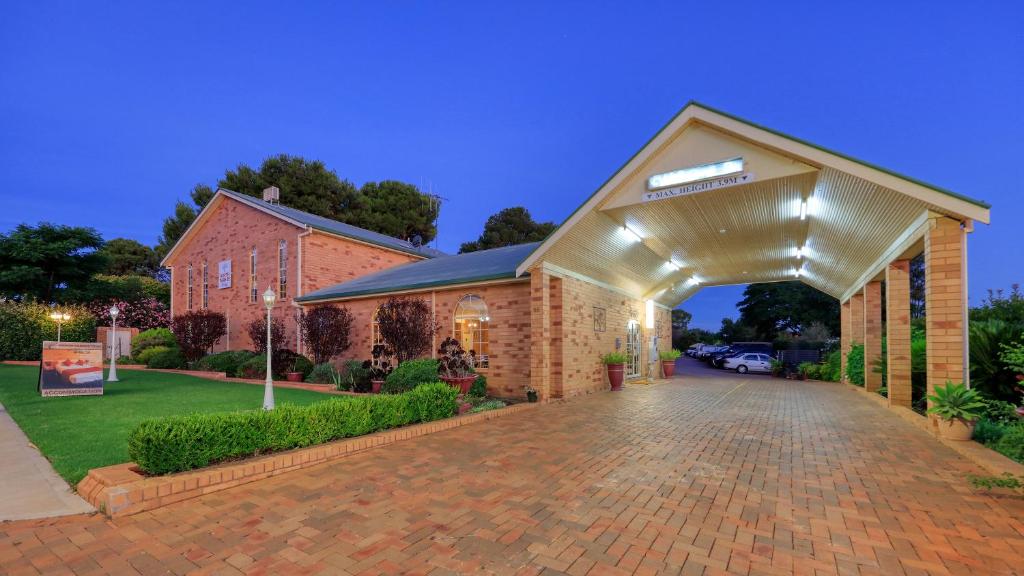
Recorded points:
(855, 365)
(409, 375)
(257, 331)
(1011, 444)
(150, 338)
(325, 331)
(144, 314)
(833, 366)
(281, 362)
(144, 356)
(987, 431)
(407, 326)
(24, 326)
(254, 368)
(355, 376)
(197, 331)
(162, 357)
(178, 443)
(324, 373)
(999, 412)
(806, 369)
(479, 387)
(226, 362)
(455, 362)
(489, 405)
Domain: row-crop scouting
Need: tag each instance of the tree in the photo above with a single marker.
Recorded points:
(174, 227)
(917, 286)
(306, 185)
(407, 326)
(509, 227)
(126, 256)
(257, 331)
(786, 306)
(40, 262)
(733, 331)
(680, 319)
(396, 209)
(325, 331)
(197, 331)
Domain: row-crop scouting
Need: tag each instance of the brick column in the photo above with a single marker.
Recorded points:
(945, 302)
(856, 319)
(872, 334)
(845, 332)
(555, 348)
(897, 332)
(540, 332)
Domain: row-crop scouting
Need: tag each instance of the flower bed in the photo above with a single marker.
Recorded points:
(179, 443)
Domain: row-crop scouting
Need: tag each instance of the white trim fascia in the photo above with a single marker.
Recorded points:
(912, 234)
(412, 291)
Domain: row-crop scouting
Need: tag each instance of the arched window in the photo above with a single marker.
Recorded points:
(375, 329)
(471, 327)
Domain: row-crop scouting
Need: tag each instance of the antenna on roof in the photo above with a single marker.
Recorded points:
(272, 195)
(434, 205)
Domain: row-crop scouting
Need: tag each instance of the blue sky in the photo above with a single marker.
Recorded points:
(109, 112)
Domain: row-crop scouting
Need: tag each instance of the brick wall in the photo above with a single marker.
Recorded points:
(328, 260)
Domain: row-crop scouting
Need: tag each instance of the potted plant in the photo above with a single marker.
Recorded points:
(778, 368)
(294, 375)
(615, 363)
(380, 366)
(958, 408)
(668, 361)
(531, 393)
(455, 365)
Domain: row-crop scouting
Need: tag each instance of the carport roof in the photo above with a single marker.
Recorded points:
(472, 267)
(665, 247)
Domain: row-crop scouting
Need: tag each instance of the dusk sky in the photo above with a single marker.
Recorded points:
(110, 112)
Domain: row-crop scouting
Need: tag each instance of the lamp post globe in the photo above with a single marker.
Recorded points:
(59, 318)
(268, 386)
(112, 374)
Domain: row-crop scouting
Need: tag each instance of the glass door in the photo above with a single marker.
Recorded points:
(633, 349)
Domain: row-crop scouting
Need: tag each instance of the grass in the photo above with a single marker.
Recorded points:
(84, 432)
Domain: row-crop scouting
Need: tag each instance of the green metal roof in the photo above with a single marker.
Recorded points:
(493, 264)
(335, 227)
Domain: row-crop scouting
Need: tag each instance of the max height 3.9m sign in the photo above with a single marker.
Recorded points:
(695, 187)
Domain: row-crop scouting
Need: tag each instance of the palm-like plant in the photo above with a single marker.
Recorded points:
(956, 402)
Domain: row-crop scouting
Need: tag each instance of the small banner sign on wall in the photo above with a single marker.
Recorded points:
(71, 369)
(224, 274)
(695, 187)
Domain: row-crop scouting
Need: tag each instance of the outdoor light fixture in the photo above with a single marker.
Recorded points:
(799, 252)
(672, 265)
(60, 318)
(803, 210)
(112, 374)
(633, 236)
(693, 281)
(695, 173)
(268, 386)
(649, 309)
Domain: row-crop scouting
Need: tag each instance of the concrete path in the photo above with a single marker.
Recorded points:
(29, 487)
(709, 473)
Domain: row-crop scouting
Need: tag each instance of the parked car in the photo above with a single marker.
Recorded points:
(709, 350)
(692, 351)
(749, 362)
(718, 358)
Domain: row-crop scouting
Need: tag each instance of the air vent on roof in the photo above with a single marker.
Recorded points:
(272, 195)
(417, 241)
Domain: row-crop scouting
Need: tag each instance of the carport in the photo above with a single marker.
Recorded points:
(714, 200)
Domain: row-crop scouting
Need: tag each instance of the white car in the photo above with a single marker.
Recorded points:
(750, 362)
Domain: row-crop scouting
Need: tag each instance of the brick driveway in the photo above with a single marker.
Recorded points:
(701, 475)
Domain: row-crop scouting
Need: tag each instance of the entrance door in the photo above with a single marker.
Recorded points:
(632, 349)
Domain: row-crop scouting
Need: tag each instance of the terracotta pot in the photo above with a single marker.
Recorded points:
(375, 386)
(294, 376)
(956, 429)
(668, 368)
(463, 383)
(465, 407)
(615, 373)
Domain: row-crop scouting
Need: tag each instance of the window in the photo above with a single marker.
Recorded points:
(253, 290)
(375, 330)
(189, 285)
(206, 287)
(471, 328)
(282, 270)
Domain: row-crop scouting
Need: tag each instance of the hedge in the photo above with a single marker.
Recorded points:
(409, 375)
(179, 443)
(226, 362)
(24, 326)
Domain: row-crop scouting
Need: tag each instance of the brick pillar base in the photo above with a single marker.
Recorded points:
(897, 330)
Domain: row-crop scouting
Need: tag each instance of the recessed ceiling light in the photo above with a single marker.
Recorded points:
(631, 234)
(721, 230)
(803, 210)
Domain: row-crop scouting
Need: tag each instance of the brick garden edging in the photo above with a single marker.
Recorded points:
(120, 490)
(986, 458)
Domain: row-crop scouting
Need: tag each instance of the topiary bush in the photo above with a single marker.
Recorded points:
(24, 326)
(227, 362)
(164, 357)
(150, 338)
(409, 375)
(179, 443)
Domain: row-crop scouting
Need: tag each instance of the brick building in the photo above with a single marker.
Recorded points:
(710, 200)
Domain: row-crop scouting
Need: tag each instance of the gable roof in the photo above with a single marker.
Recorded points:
(813, 154)
(309, 221)
(481, 266)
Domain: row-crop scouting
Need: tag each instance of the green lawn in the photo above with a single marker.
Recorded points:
(84, 432)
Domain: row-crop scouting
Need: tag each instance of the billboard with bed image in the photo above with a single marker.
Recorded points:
(71, 369)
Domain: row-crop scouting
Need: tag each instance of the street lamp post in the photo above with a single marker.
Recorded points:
(112, 375)
(268, 388)
(60, 318)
